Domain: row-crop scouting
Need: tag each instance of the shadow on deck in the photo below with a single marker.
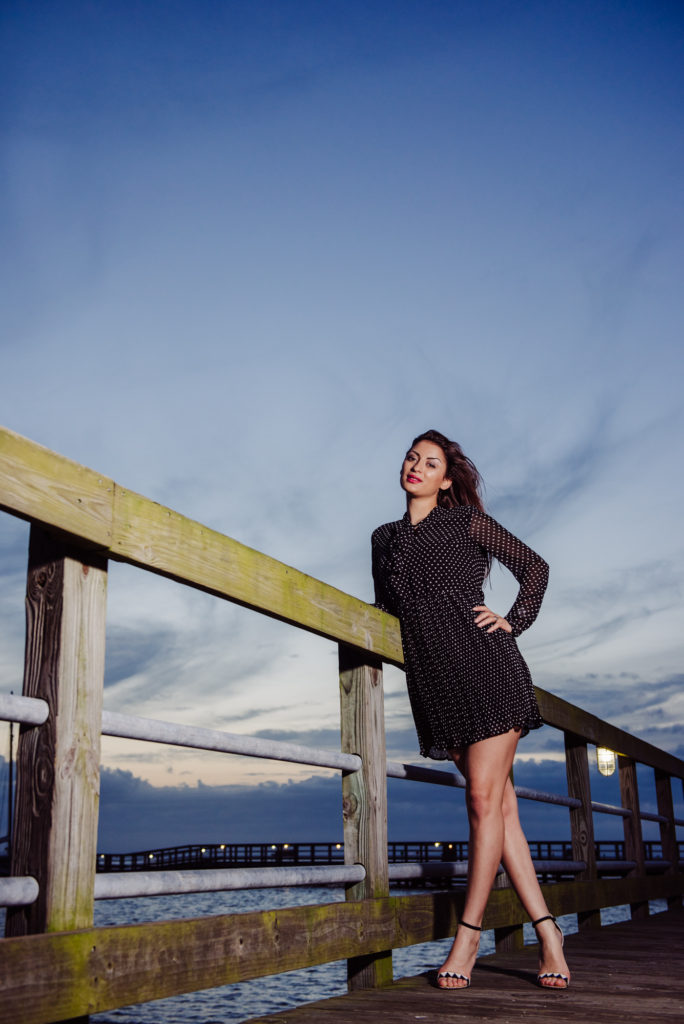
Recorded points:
(621, 974)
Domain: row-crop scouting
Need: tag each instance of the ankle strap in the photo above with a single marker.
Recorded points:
(548, 917)
(475, 927)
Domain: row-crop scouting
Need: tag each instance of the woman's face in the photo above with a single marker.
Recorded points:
(423, 474)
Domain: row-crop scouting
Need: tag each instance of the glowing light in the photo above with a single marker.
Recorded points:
(438, 844)
(339, 846)
(605, 759)
(223, 846)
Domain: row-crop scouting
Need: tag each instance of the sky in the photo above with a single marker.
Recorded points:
(250, 250)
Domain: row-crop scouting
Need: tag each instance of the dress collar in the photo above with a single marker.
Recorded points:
(432, 514)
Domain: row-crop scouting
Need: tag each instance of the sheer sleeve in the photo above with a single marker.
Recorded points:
(383, 601)
(529, 568)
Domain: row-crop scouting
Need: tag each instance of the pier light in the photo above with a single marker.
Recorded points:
(451, 846)
(438, 844)
(605, 759)
(204, 849)
(338, 846)
(150, 856)
(286, 846)
(273, 846)
(222, 846)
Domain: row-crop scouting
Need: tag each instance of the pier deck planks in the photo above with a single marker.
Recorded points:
(621, 974)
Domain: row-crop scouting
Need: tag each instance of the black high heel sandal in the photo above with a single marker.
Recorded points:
(552, 974)
(457, 974)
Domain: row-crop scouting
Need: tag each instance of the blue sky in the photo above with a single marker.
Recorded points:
(251, 249)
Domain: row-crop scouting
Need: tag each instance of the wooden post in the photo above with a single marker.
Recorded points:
(634, 842)
(581, 818)
(58, 763)
(364, 797)
(668, 831)
(509, 938)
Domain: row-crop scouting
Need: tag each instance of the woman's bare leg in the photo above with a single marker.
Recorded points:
(517, 861)
(518, 864)
(486, 766)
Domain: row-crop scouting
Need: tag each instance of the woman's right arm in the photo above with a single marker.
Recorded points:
(383, 601)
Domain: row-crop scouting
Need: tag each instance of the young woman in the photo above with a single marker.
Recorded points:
(471, 692)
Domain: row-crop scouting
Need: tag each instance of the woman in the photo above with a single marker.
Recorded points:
(471, 692)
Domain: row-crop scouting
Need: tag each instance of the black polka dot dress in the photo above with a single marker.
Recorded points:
(464, 684)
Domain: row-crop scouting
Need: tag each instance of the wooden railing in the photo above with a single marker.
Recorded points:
(54, 964)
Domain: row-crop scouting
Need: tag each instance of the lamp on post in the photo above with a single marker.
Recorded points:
(605, 760)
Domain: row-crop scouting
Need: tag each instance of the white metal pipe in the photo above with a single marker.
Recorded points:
(417, 773)
(556, 866)
(121, 885)
(648, 816)
(26, 710)
(176, 734)
(546, 798)
(443, 869)
(18, 892)
(623, 812)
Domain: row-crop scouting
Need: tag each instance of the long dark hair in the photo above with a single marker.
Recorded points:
(466, 483)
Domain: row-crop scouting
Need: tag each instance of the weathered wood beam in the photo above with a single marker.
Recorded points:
(634, 841)
(58, 763)
(668, 831)
(581, 819)
(570, 718)
(38, 485)
(364, 797)
(54, 977)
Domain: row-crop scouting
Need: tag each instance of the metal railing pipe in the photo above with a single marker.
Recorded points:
(417, 773)
(409, 872)
(154, 731)
(18, 892)
(165, 883)
(25, 710)
(623, 812)
(558, 866)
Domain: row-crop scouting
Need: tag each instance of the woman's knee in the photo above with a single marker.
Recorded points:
(483, 801)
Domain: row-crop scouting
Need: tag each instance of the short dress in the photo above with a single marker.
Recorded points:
(464, 683)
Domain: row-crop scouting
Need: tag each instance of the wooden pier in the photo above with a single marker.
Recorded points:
(54, 965)
(628, 973)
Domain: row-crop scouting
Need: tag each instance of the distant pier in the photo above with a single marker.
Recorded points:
(548, 855)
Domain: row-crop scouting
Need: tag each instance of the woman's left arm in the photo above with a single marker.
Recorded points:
(529, 569)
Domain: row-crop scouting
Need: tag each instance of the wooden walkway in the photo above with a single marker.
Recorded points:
(621, 974)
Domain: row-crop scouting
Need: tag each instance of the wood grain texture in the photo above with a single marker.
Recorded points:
(364, 797)
(634, 842)
(164, 542)
(581, 818)
(58, 763)
(628, 973)
(43, 487)
(54, 977)
(668, 831)
(563, 715)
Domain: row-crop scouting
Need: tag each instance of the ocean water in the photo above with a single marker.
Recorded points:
(231, 1004)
